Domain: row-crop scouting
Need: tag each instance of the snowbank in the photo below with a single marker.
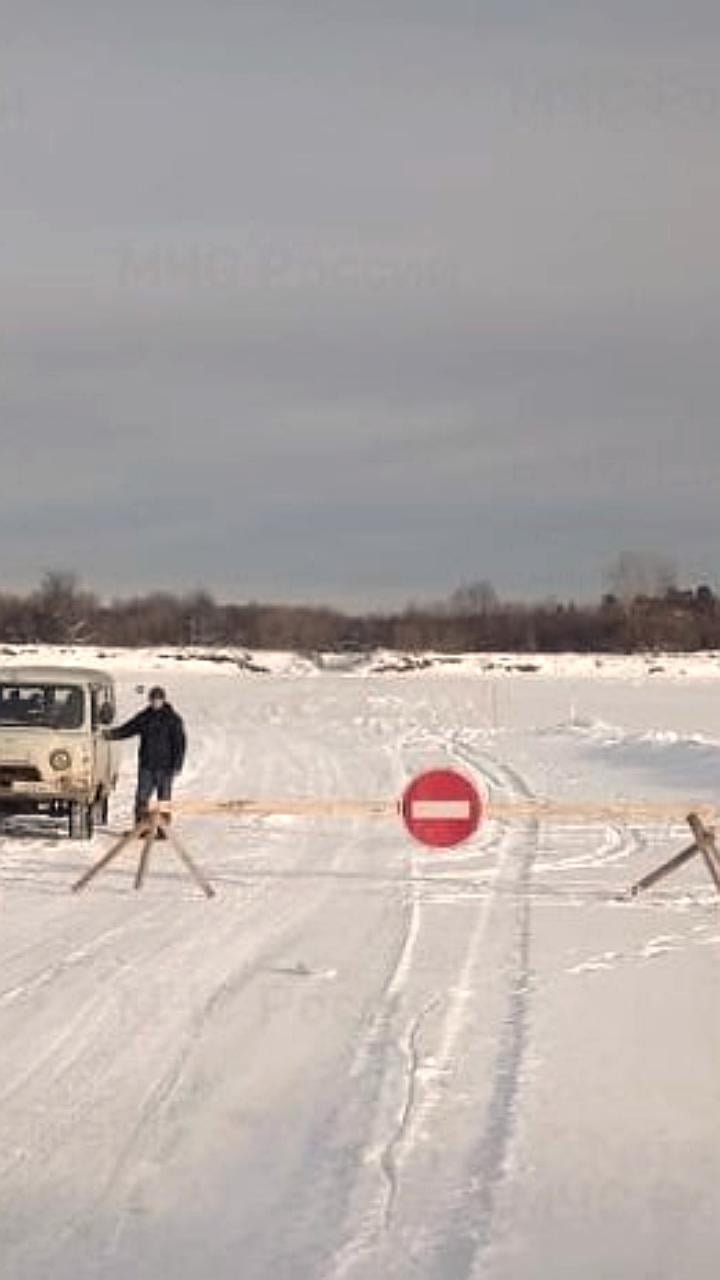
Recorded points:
(234, 661)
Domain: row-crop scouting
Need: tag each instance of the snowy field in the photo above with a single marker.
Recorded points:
(364, 1060)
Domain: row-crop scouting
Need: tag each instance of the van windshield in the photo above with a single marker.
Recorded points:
(42, 706)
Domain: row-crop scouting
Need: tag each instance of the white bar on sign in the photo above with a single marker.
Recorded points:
(439, 809)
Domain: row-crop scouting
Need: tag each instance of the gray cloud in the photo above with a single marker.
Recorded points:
(354, 303)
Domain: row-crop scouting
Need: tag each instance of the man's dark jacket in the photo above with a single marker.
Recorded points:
(162, 738)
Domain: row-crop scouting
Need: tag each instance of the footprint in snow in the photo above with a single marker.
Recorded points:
(606, 961)
(655, 948)
(301, 970)
(659, 947)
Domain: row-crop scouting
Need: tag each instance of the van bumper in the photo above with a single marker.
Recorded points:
(23, 794)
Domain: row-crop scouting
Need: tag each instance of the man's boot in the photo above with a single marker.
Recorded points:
(163, 824)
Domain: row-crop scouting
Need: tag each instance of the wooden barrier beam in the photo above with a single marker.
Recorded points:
(158, 824)
(535, 809)
(289, 806)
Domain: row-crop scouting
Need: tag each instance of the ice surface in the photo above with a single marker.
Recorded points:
(365, 1060)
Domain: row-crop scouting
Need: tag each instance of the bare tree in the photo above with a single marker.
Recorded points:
(63, 610)
(648, 612)
(199, 618)
(472, 598)
(640, 573)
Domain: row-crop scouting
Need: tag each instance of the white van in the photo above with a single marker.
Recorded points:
(53, 756)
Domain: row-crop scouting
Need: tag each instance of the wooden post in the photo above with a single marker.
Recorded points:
(148, 830)
(107, 857)
(191, 865)
(665, 870)
(150, 837)
(705, 840)
(704, 844)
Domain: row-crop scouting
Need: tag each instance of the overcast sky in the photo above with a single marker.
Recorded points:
(353, 302)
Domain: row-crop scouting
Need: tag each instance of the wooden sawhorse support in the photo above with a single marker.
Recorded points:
(148, 830)
(703, 843)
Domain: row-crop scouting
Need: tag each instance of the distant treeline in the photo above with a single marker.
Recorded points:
(60, 611)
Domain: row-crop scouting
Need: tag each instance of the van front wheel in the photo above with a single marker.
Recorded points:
(80, 821)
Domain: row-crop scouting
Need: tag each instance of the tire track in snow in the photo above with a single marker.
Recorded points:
(209, 967)
(166, 1093)
(618, 844)
(70, 1046)
(75, 958)
(377, 1225)
(465, 1242)
(461, 1245)
(397, 1140)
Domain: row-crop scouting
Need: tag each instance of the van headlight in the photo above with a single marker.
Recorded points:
(60, 760)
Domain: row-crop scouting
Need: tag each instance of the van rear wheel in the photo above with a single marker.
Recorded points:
(80, 821)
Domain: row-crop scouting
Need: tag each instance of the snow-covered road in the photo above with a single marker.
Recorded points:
(363, 1060)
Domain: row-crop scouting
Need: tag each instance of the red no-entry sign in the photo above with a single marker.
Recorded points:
(442, 808)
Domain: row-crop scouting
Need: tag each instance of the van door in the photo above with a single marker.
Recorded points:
(108, 701)
(103, 755)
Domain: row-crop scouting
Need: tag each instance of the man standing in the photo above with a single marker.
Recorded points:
(161, 751)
